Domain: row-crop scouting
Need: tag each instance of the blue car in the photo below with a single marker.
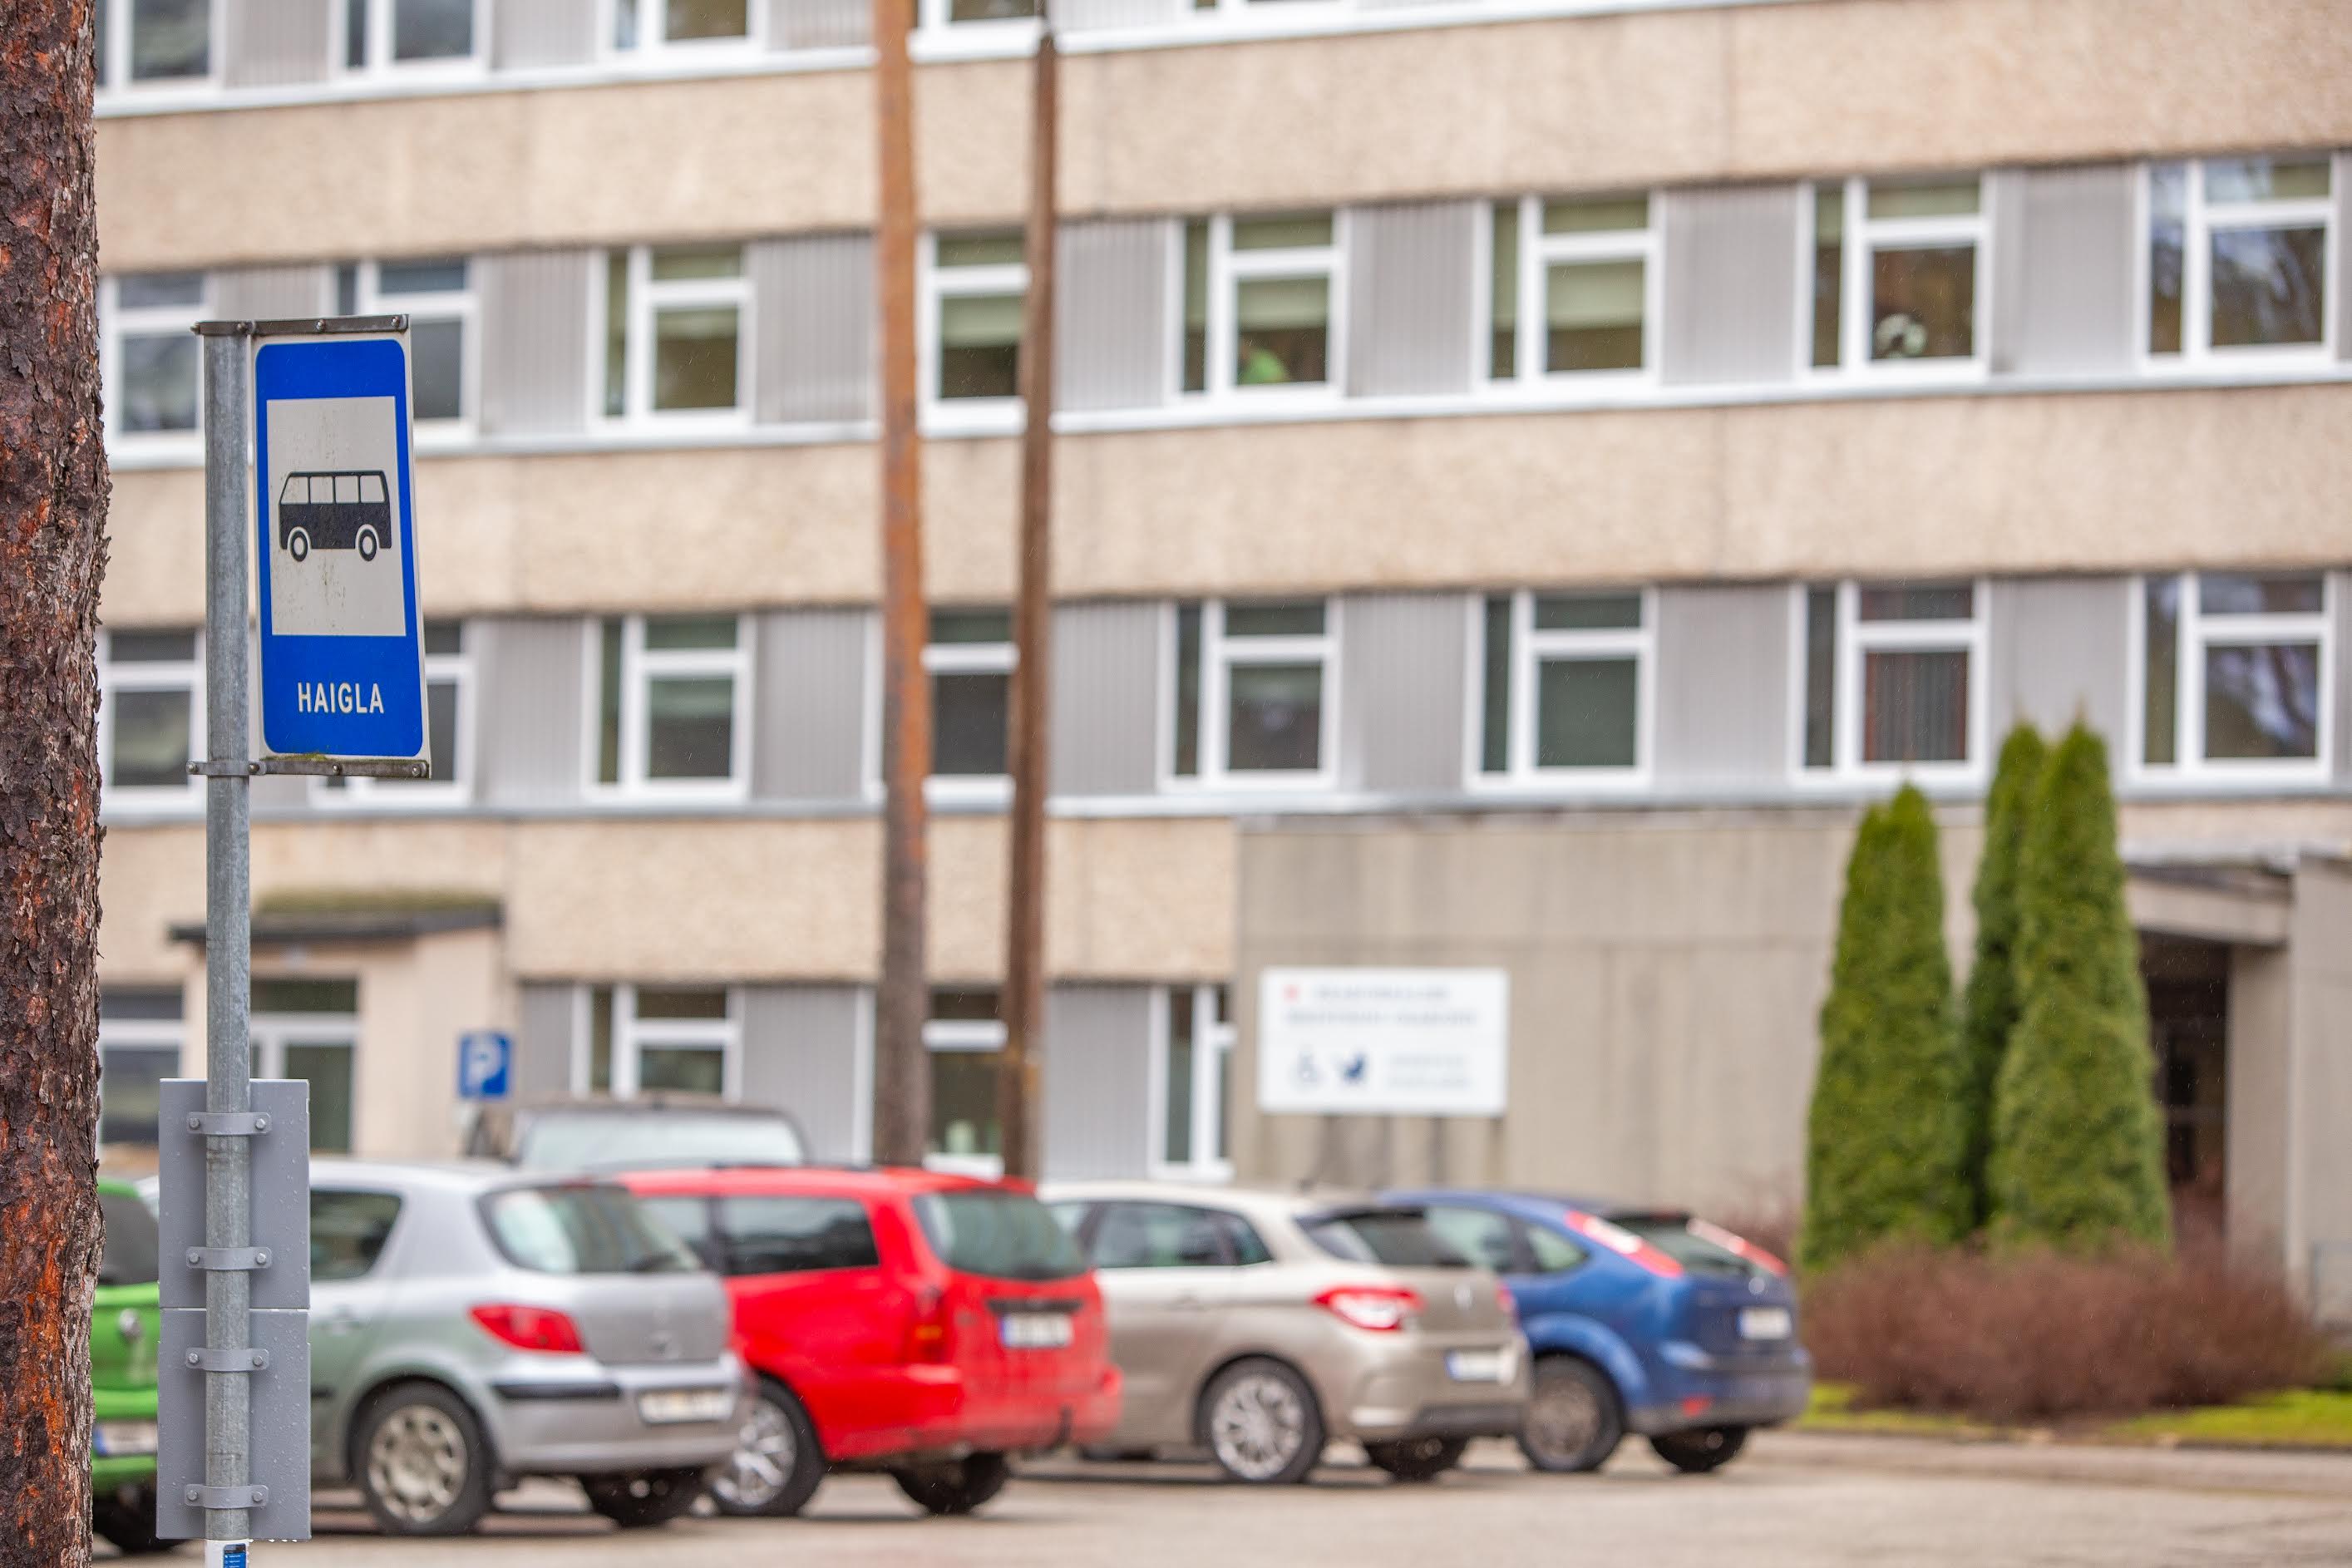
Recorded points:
(1642, 1321)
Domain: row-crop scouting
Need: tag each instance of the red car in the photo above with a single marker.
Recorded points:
(924, 1324)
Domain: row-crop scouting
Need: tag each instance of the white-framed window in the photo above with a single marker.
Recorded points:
(673, 697)
(2233, 675)
(969, 661)
(972, 287)
(149, 355)
(2238, 257)
(449, 720)
(140, 1035)
(644, 27)
(1890, 681)
(937, 16)
(1897, 275)
(636, 1039)
(965, 1039)
(308, 1027)
(150, 726)
(444, 336)
(1260, 312)
(413, 38)
(1192, 1083)
(675, 326)
(148, 43)
(1253, 697)
(1564, 687)
(1574, 288)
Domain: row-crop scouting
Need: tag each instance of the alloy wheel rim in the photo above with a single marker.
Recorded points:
(418, 1463)
(765, 1454)
(1258, 1426)
(1563, 1419)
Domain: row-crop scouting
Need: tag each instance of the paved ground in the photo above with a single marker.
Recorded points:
(1793, 1501)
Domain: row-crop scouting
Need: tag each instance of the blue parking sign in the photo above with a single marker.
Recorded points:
(343, 658)
(485, 1063)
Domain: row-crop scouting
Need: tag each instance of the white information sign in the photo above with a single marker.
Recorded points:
(1383, 1042)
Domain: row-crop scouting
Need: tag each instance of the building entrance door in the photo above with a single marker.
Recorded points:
(2189, 1033)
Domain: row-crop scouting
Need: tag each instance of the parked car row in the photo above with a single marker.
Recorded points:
(746, 1330)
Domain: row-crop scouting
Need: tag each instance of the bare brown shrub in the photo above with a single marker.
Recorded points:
(2043, 1337)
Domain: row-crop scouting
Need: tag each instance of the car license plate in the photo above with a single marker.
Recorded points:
(1764, 1323)
(113, 1439)
(676, 1406)
(1034, 1330)
(1474, 1366)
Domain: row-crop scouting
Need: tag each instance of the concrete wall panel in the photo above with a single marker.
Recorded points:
(1403, 688)
(2059, 650)
(1723, 694)
(808, 733)
(1105, 727)
(531, 674)
(801, 1050)
(1730, 310)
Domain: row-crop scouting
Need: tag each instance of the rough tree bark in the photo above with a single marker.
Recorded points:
(53, 489)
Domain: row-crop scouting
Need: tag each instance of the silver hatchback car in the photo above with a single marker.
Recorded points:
(1260, 1325)
(472, 1324)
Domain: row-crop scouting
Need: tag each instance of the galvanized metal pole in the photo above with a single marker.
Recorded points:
(902, 1082)
(228, 951)
(1019, 1073)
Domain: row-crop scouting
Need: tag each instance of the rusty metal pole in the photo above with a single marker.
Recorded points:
(1018, 1098)
(902, 1079)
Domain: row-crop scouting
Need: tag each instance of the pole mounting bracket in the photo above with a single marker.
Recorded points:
(222, 1499)
(228, 1124)
(209, 1360)
(210, 769)
(228, 1260)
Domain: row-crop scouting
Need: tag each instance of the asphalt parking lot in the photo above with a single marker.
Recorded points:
(1793, 1500)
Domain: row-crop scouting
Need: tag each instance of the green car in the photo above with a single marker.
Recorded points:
(125, 1322)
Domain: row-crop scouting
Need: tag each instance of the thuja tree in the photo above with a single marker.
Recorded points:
(2077, 1151)
(1988, 1007)
(1884, 1139)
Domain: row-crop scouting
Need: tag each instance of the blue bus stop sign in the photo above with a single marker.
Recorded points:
(342, 661)
(485, 1063)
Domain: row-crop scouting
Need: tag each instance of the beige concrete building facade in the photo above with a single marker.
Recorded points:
(1529, 471)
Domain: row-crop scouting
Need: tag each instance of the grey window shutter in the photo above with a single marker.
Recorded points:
(273, 293)
(1409, 327)
(542, 1045)
(1401, 691)
(813, 298)
(277, 43)
(1730, 299)
(1721, 688)
(2064, 259)
(801, 1045)
(808, 739)
(1105, 724)
(1116, 313)
(817, 24)
(535, 326)
(528, 673)
(2058, 649)
(525, 34)
(1098, 1058)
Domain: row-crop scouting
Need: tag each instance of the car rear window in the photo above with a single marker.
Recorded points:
(131, 1246)
(581, 1230)
(1672, 1234)
(999, 1233)
(1401, 1238)
(634, 1141)
(784, 1234)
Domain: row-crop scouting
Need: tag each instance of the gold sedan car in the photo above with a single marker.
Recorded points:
(1260, 1326)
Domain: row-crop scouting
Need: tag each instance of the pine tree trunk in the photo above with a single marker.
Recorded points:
(53, 489)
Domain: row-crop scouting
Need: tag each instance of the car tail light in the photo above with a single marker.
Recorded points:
(1624, 1243)
(928, 1335)
(1504, 1299)
(1738, 1246)
(529, 1328)
(1382, 1309)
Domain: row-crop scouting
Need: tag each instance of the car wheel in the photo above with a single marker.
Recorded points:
(1574, 1421)
(126, 1518)
(1261, 1424)
(367, 544)
(959, 1486)
(642, 1500)
(297, 545)
(1417, 1458)
(423, 1469)
(1701, 1449)
(777, 1463)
